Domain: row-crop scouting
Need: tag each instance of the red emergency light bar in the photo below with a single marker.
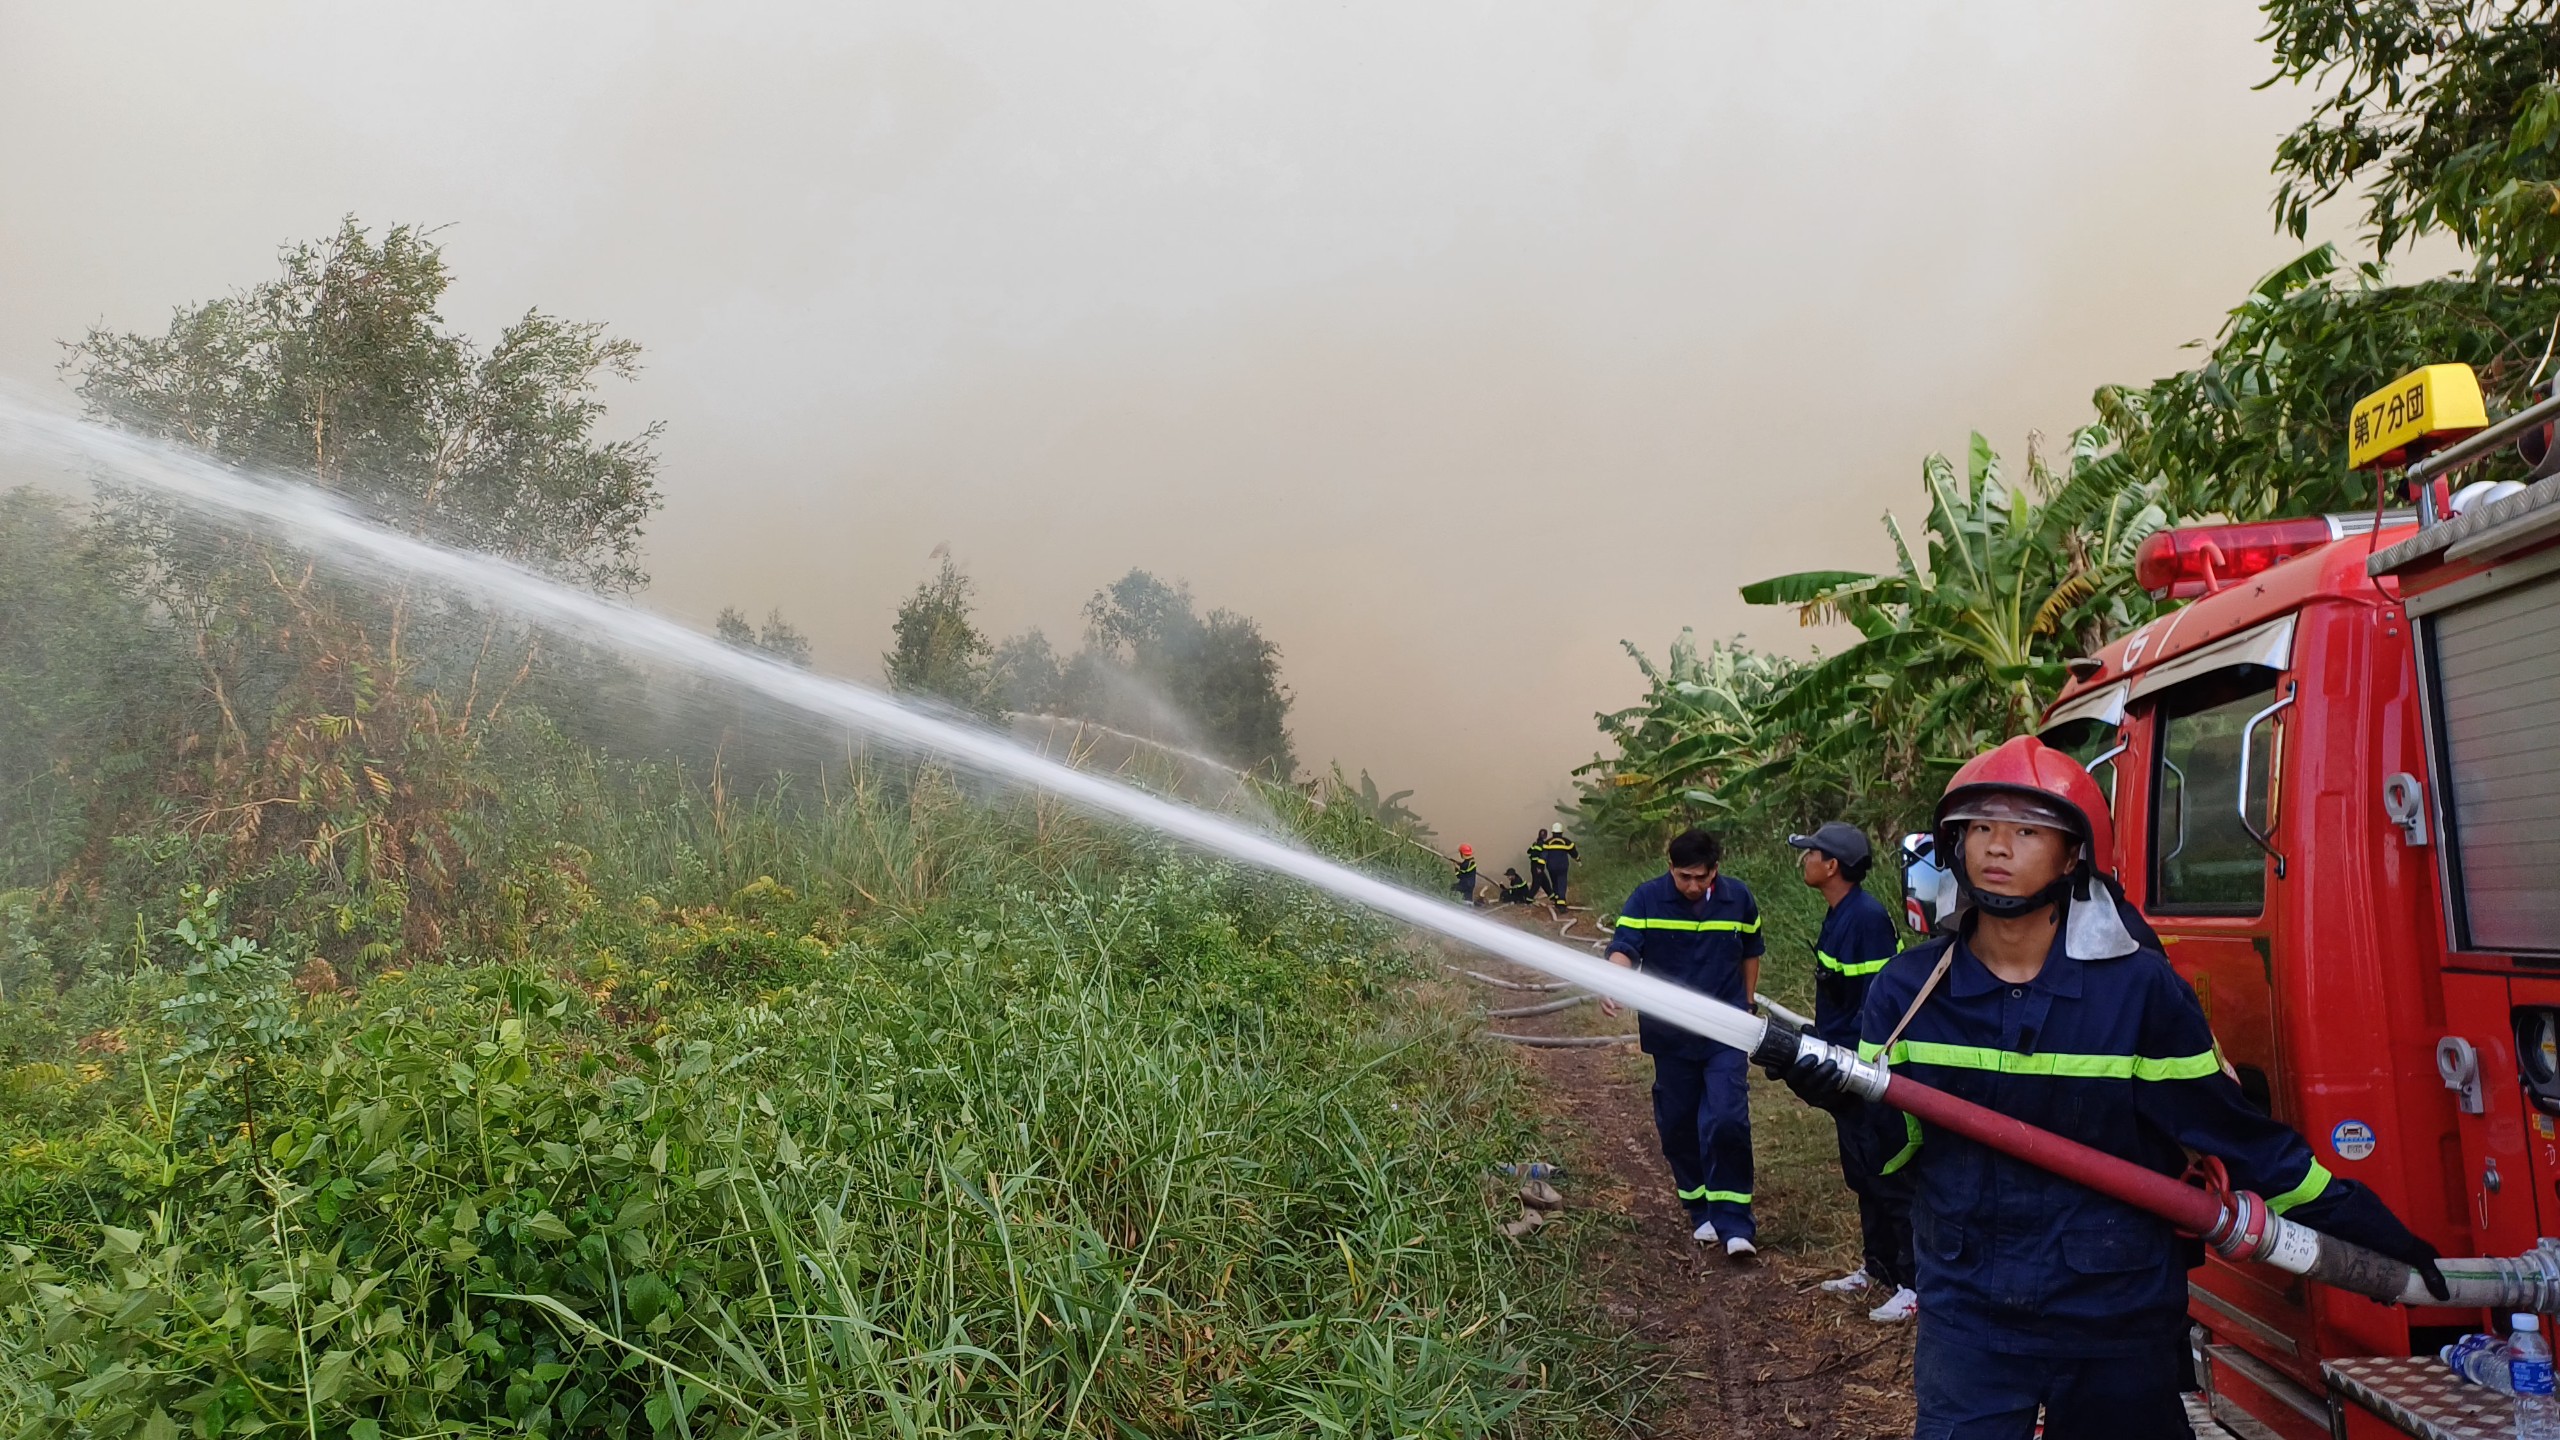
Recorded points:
(2195, 560)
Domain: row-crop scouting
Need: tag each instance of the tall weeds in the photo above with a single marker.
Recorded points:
(883, 1109)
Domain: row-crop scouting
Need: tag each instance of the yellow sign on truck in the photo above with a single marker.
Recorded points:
(2432, 402)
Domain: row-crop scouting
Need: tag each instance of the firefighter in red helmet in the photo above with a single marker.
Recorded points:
(2045, 1005)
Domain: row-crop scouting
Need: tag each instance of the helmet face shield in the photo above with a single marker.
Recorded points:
(2001, 804)
(2016, 807)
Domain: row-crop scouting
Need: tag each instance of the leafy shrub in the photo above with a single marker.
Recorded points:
(1136, 1158)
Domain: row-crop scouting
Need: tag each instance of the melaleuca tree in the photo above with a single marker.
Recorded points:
(340, 371)
(778, 638)
(1152, 664)
(939, 649)
(322, 748)
(1024, 676)
(77, 647)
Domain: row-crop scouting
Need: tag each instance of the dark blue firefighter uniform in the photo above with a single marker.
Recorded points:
(1857, 939)
(2036, 1291)
(1701, 1094)
(1466, 882)
(1561, 853)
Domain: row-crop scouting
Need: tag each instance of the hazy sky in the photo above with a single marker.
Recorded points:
(1453, 342)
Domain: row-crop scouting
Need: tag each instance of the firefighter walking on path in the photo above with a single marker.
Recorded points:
(1561, 852)
(1466, 882)
(1538, 883)
(2035, 1292)
(1697, 928)
(1857, 939)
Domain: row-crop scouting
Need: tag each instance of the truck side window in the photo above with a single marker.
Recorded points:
(2202, 859)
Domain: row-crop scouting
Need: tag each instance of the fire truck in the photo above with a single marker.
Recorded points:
(2335, 777)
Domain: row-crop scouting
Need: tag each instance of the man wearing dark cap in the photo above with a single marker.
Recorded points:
(1857, 939)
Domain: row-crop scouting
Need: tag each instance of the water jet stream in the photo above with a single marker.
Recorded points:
(315, 521)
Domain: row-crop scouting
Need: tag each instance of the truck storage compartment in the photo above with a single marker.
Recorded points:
(2494, 664)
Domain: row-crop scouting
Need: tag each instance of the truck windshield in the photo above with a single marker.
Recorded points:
(2203, 861)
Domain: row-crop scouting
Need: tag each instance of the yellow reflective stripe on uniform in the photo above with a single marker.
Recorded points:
(1911, 1144)
(1843, 967)
(1698, 1194)
(1747, 927)
(2065, 1066)
(2315, 1183)
(1729, 1197)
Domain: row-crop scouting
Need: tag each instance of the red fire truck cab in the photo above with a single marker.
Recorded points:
(2335, 776)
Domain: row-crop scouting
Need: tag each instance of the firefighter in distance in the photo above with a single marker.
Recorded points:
(1465, 884)
(1559, 854)
(2036, 1293)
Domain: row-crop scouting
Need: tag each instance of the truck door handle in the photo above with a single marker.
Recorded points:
(2248, 733)
(2181, 776)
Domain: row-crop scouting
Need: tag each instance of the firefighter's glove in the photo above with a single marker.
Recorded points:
(2433, 1278)
(2356, 1215)
(1818, 1080)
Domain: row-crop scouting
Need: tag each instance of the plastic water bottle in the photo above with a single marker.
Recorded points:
(2480, 1359)
(2529, 1368)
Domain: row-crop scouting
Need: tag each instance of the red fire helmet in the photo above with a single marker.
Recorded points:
(2028, 767)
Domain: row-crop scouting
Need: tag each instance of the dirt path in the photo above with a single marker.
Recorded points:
(1734, 1349)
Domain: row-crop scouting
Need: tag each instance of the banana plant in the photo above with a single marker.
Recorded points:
(1968, 646)
(1700, 723)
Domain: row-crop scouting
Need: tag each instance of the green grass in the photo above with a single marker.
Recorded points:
(889, 1110)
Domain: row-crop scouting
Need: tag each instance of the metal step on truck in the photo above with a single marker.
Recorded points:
(2335, 778)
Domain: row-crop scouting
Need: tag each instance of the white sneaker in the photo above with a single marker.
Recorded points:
(1705, 1234)
(1901, 1307)
(1740, 1249)
(1849, 1284)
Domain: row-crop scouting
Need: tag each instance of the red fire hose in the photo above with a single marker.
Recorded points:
(2237, 1224)
(2198, 1212)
